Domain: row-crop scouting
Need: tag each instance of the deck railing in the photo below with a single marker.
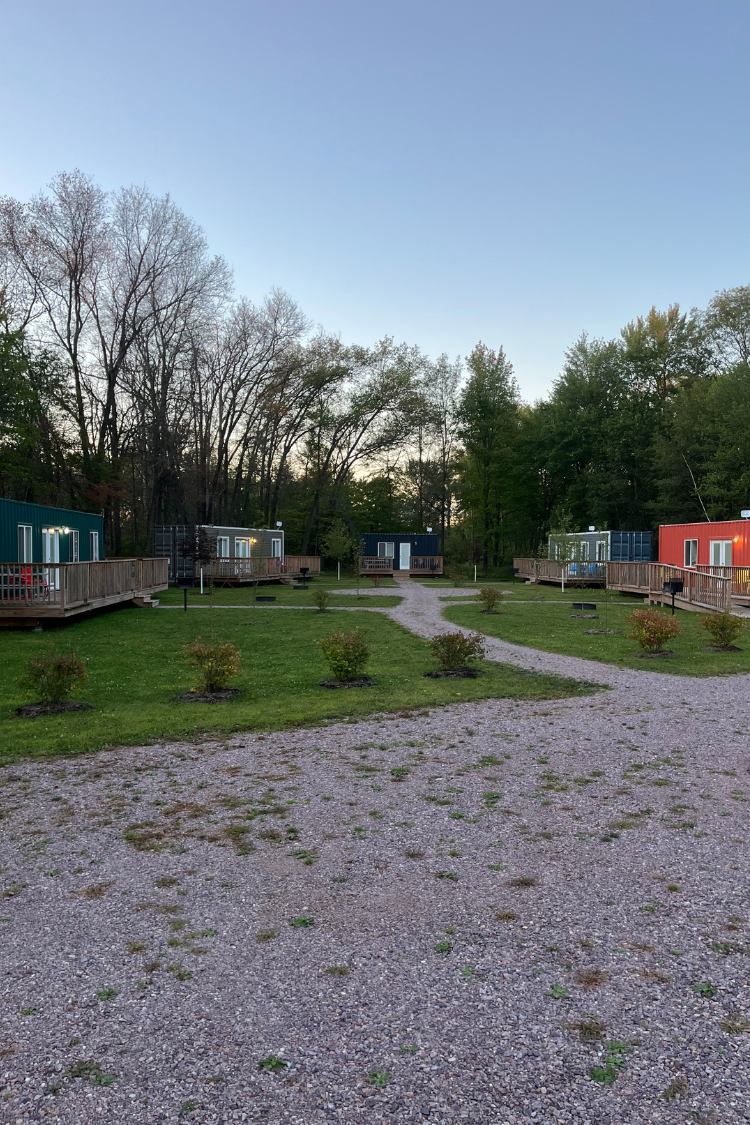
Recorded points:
(68, 585)
(293, 564)
(739, 575)
(552, 571)
(242, 568)
(428, 564)
(699, 587)
(378, 563)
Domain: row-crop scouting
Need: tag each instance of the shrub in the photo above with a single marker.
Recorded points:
(723, 627)
(217, 663)
(52, 678)
(456, 574)
(452, 650)
(489, 596)
(321, 597)
(346, 654)
(375, 579)
(651, 629)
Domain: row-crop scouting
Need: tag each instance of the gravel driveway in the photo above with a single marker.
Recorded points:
(494, 912)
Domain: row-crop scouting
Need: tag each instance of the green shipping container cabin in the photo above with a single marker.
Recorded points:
(35, 533)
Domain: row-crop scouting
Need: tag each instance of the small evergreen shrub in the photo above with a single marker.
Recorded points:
(724, 628)
(653, 629)
(217, 664)
(321, 597)
(452, 650)
(346, 654)
(489, 596)
(52, 678)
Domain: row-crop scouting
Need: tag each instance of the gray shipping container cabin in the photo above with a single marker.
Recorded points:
(171, 541)
(610, 546)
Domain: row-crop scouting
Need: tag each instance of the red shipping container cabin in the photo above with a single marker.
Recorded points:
(723, 543)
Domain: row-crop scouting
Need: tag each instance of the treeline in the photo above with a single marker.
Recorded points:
(134, 381)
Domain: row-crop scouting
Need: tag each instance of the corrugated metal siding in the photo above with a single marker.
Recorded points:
(15, 512)
(631, 546)
(420, 544)
(169, 542)
(672, 538)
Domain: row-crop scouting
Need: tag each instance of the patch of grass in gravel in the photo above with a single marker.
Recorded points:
(614, 1060)
(549, 627)
(137, 668)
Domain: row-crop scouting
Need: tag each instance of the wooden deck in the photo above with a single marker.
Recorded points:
(243, 572)
(33, 592)
(551, 572)
(420, 566)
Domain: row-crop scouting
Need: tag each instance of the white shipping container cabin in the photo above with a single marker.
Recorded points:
(233, 544)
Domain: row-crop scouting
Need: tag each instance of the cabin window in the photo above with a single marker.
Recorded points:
(74, 548)
(94, 546)
(222, 547)
(601, 551)
(584, 550)
(24, 543)
(386, 550)
(242, 548)
(691, 552)
(275, 548)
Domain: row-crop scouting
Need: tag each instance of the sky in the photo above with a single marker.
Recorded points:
(439, 172)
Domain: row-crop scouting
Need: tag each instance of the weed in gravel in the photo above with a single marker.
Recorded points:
(30, 1011)
(272, 1064)
(379, 1078)
(558, 992)
(591, 978)
(443, 946)
(338, 970)
(152, 967)
(655, 975)
(302, 922)
(339, 879)
(734, 1023)
(677, 1088)
(107, 994)
(188, 1107)
(614, 1061)
(98, 890)
(451, 876)
(398, 773)
(135, 946)
(590, 1028)
(523, 881)
(166, 881)
(90, 1071)
(707, 989)
(307, 855)
(410, 1049)
(413, 853)
(506, 915)
(266, 935)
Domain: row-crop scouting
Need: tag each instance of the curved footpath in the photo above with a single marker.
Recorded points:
(495, 913)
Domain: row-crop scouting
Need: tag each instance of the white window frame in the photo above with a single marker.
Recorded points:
(25, 543)
(74, 545)
(222, 546)
(722, 544)
(386, 550)
(275, 548)
(690, 556)
(601, 550)
(237, 547)
(94, 546)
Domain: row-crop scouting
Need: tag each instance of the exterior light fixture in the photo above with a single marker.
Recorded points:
(278, 523)
(591, 527)
(745, 513)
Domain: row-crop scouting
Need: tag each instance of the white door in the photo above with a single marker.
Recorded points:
(51, 554)
(74, 546)
(404, 555)
(94, 546)
(721, 552)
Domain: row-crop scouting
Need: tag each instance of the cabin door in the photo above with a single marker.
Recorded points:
(51, 554)
(404, 556)
(721, 552)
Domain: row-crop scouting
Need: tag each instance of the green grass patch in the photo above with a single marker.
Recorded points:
(137, 667)
(285, 595)
(550, 627)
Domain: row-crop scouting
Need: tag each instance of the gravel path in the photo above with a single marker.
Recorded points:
(499, 896)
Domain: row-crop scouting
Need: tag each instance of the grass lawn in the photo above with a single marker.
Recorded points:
(285, 595)
(550, 627)
(136, 667)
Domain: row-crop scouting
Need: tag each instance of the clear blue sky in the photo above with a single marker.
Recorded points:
(441, 172)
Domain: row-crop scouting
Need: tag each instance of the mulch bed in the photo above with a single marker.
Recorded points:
(656, 655)
(36, 710)
(223, 696)
(454, 674)
(721, 648)
(333, 684)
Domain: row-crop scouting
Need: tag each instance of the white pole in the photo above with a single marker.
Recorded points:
(339, 569)
(475, 572)
(201, 580)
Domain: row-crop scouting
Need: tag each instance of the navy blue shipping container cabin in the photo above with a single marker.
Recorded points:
(399, 547)
(35, 533)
